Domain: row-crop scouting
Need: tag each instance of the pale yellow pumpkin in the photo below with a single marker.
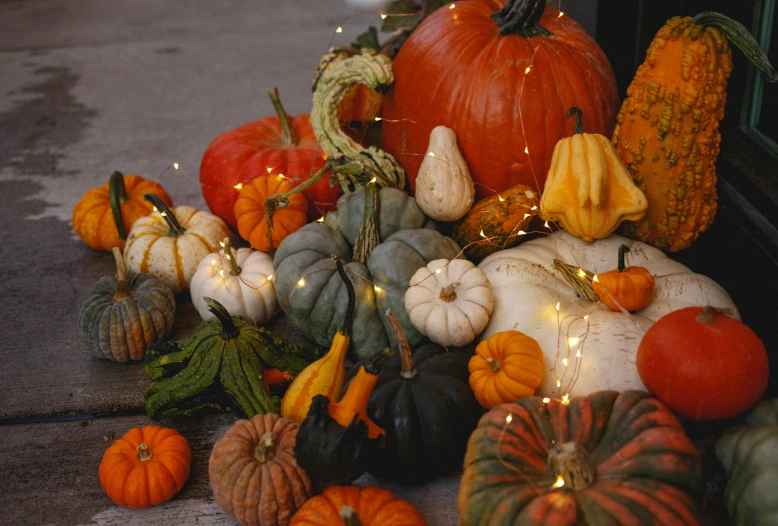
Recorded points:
(169, 244)
(588, 190)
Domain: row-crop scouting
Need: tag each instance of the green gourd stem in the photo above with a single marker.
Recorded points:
(572, 463)
(408, 370)
(229, 330)
(578, 118)
(235, 270)
(117, 193)
(121, 276)
(144, 453)
(288, 138)
(175, 227)
(349, 516)
(521, 17)
(375, 72)
(623, 249)
(282, 200)
(741, 38)
(348, 319)
(266, 448)
(367, 236)
(581, 283)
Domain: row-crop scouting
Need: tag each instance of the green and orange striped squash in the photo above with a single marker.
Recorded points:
(608, 458)
(494, 223)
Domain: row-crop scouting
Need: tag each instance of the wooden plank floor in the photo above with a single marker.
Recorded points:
(86, 88)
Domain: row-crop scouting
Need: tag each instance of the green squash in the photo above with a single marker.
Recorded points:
(120, 316)
(750, 458)
(317, 306)
(220, 366)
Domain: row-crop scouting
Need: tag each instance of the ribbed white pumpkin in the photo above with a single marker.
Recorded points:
(527, 289)
(444, 188)
(155, 247)
(246, 290)
(449, 301)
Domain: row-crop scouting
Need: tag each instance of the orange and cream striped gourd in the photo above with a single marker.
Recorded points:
(587, 189)
(327, 375)
(667, 131)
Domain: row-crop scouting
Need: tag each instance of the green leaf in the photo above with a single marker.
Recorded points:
(368, 39)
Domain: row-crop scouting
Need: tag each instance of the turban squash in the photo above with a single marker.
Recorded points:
(501, 75)
(607, 458)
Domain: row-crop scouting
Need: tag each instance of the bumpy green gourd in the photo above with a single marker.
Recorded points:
(120, 316)
(220, 366)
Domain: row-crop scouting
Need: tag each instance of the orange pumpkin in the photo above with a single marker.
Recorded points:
(506, 366)
(146, 467)
(264, 223)
(103, 216)
(352, 505)
(630, 287)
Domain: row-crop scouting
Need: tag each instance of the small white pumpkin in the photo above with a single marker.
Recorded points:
(449, 301)
(169, 244)
(532, 297)
(444, 188)
(242, 283)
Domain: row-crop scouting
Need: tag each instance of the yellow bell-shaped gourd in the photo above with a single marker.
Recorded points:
(588, 190)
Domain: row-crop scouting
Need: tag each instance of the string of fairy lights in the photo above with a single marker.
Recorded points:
(570, 343)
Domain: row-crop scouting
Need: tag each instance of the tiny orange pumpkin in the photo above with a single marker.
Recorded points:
(146, 467)
(352, 505)
(265, 220)
(103, 216)
(506, 366)
(630, 287)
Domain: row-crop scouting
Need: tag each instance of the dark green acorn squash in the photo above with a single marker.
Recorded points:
(120, 316)
(406, 243)
(424, 403)
(220, 366)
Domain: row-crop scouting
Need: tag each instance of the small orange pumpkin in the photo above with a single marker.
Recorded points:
(103, 216)
(630, 287)
(146, 467)
(264, 222)
(506, 366)
(352, 505)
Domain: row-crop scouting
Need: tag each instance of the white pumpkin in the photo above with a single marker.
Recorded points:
(527, 290)
(449, 301)
(242, 283)
(169, 244)
(444, 188)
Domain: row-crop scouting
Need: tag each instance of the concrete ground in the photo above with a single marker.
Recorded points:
(86, 88)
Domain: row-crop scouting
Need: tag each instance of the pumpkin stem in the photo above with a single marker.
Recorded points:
(144, 453)
(121, 276)
(266, 448)
(367, 237)
(741, 38)
(572, 463)
(578, 118)
(349, 516)
(282, 200)
(229, 330)
(353, 405)
(623, 249)
(494, 364)
(235, 270)
(288, 137)
(449, 293)
(708, 314)
(578, 278)
(117, 193)
(175, 227)
(348, 319)
(408, 370)
(521, 17)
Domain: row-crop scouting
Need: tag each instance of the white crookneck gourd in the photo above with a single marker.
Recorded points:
(449, 301)
(444, 188)
(531, 295)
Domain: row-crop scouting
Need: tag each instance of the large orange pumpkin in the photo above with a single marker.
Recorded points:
(277, 145)
(502, 83)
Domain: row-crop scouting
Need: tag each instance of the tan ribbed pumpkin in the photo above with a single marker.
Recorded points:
(254, 476)
(587, 189)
